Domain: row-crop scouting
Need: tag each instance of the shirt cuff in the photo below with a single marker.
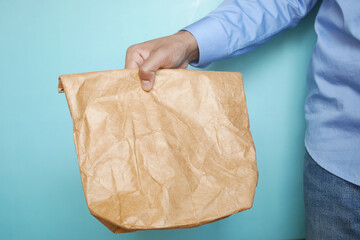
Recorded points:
(211, 39)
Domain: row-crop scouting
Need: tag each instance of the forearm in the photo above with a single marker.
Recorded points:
(238, 26)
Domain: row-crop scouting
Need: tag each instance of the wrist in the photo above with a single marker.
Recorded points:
(191, 45)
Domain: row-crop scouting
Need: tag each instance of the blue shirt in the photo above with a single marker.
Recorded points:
(332, 108)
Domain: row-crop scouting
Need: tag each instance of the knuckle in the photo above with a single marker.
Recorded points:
(131, 50)
(145, 73)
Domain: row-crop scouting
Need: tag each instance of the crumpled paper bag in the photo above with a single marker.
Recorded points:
(178, 156)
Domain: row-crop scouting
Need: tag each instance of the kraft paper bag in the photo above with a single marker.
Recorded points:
(178, 156)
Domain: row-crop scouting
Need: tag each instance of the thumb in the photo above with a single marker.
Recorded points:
(148, 69)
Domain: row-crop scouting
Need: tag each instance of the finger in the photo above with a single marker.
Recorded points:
(131, 64)
(148, 69)
(133, 59)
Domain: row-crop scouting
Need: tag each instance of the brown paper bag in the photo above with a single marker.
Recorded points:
(178, 156)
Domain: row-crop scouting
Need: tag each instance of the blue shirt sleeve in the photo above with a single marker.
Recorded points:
(238, 26)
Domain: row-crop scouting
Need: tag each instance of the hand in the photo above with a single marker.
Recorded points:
(174, 51)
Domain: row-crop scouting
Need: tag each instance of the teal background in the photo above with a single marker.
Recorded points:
(41, 196)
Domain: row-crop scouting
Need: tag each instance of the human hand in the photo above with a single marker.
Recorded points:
(174, 51)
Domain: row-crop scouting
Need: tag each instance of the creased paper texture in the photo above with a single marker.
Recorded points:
(178, 156)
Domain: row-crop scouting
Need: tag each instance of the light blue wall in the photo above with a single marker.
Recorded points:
(41, 196)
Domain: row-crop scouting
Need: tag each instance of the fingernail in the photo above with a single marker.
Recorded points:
(146, 85)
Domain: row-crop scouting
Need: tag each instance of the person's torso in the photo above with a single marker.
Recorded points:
(332, 107)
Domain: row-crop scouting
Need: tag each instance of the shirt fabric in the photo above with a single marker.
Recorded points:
(332, 108)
